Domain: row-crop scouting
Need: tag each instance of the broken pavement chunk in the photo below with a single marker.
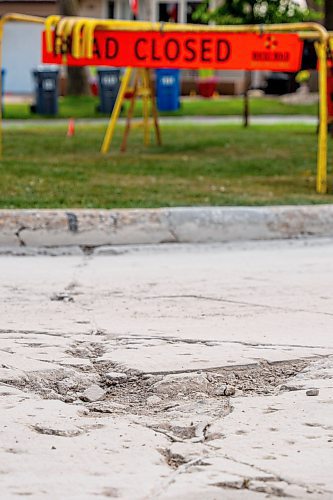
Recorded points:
(93, 393)
(62, 297)
(312, 392)
(225, 390)
(116, 377)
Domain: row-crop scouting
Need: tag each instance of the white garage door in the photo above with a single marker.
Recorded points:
(21, 54)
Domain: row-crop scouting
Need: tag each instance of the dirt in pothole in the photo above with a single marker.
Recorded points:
(151, 394)
(201, 391)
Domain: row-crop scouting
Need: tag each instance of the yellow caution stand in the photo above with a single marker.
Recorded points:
(75, 37)
(140, 87)
(80, 32)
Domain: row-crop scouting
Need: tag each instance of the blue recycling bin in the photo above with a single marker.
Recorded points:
(168, 89)
(46, 91)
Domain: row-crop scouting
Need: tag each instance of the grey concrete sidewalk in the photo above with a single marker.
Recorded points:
(93, 228)
(177, 120)
(169, 372)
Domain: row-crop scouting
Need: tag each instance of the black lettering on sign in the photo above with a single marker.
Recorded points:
(154, 54)
(206, 49)
(111, 48)
(189, 47)
(172, 49)
(138, 50)
(223, 50)
(96, 51)
(271, 56)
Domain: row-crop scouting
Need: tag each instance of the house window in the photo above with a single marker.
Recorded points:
(111, 9)
(168, 12)
(191, 7)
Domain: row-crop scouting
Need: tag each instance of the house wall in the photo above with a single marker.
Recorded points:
(42, 9)
(89, 8)
(22, 44)
(93, 8)
(21, 54)
(22, 41)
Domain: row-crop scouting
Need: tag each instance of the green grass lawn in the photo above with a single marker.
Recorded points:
(197, 165)
(85, 107)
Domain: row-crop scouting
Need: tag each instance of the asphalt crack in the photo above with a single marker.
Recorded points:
(237, 302)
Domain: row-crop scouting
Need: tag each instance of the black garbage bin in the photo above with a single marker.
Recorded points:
(46, 91)
(309, 57)
(108, 86)
(281, 83)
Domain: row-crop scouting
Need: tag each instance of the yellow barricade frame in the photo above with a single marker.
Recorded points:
(81, 32)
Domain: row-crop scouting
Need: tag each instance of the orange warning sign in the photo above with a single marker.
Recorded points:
(188, 50)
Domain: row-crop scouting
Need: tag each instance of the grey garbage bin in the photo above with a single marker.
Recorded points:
(46, 91)
(108, 87)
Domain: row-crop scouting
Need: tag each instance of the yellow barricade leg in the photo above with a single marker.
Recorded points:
(116, 111)
(321, 184)
(154, 108)
(145, 107)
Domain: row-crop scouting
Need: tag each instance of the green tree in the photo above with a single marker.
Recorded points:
(257, 12)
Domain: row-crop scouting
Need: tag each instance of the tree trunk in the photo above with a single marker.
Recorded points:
(77, 81)
(329, 14)
(312, 4)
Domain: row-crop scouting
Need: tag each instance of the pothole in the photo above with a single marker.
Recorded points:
(137, 393)
(148, 394)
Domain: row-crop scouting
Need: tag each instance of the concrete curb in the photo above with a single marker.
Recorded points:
(91, 228)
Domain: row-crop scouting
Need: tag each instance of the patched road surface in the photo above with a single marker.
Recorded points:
(168, 372)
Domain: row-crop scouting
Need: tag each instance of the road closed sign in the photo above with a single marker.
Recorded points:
(186, 50)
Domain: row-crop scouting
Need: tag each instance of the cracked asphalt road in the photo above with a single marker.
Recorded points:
(216, 347)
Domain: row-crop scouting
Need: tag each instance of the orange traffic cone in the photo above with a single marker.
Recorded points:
(71, 128)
